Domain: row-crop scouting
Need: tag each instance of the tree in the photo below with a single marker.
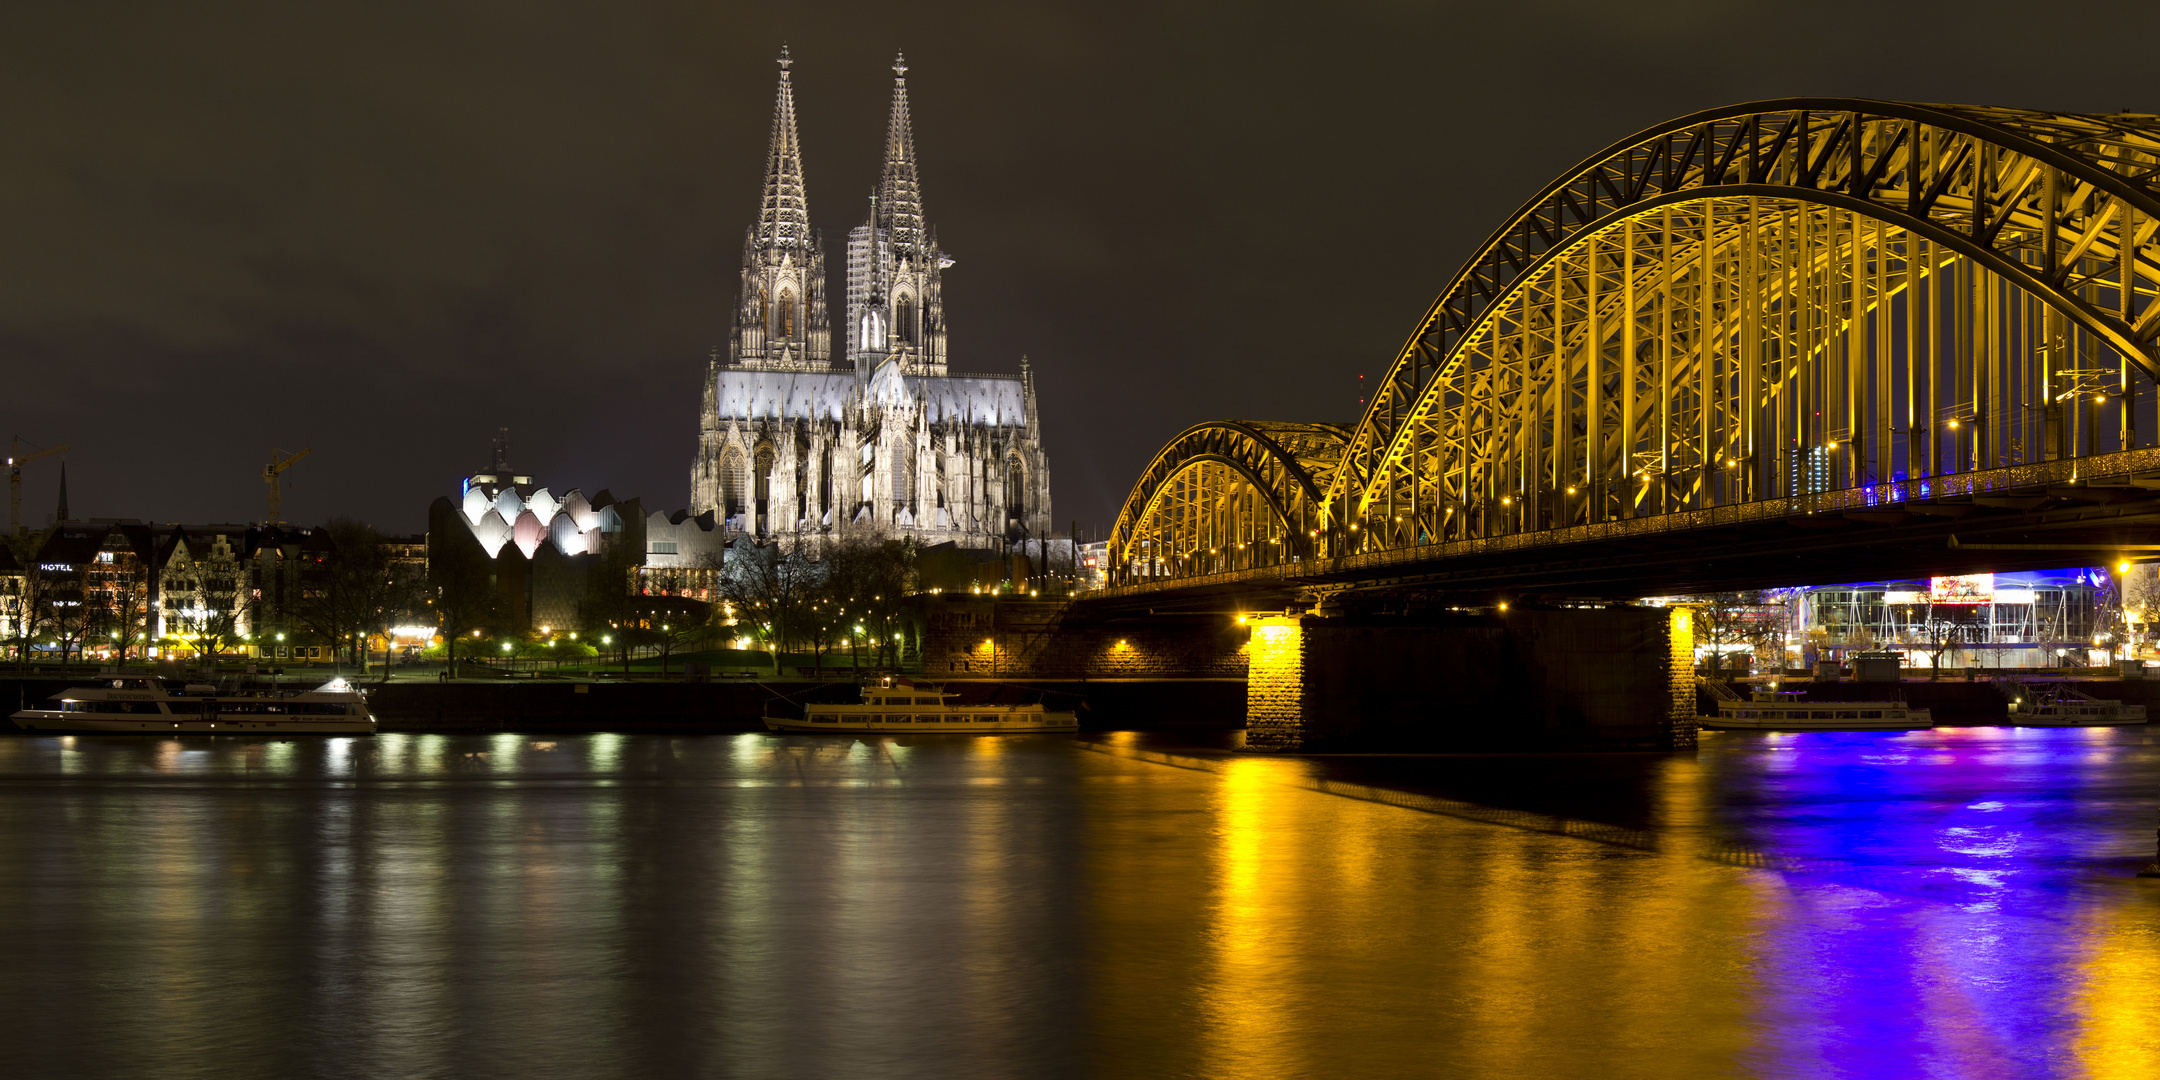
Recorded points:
(206, 630)
(33, 614)
(129, 619)
(772, 589)
(1728, 618)
(461, 587)
(609, 613)
(2139, 588)
(74, 609)
(667, 623)
(353, 591)
(1945, 627)
(871, 576)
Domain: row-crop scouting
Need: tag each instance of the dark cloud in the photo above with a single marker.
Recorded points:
(384, 230)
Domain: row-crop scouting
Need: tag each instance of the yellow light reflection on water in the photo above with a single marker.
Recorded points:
(1248, 994)
(2119, 1032)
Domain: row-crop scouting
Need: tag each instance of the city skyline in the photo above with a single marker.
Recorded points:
(533, 221)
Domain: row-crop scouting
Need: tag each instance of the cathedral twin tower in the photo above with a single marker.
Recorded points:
(796, 442)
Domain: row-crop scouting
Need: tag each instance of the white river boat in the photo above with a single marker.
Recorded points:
(1785, 710)
(148, 707)
(2064, 707)
(903, 709)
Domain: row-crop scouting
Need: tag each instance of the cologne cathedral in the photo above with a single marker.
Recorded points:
(798, 442)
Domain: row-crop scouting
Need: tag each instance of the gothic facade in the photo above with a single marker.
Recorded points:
(795, 442)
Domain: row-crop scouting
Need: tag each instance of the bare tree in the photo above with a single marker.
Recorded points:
(354, 591)
(1728, 618)
(871, 577)
(461, 588)
(774, 590)
(129, 621)
(609, 612)
(667, 623)
(33, 614)
(75, 610)
(1946, 627)
(207, 630)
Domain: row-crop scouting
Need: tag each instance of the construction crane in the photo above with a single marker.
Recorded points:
(16, 460)
(279, 462)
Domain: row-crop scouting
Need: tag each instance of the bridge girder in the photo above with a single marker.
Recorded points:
(1765, 303)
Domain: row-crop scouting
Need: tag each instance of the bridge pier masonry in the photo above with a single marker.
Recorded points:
(1610, 678)
(1379, 678)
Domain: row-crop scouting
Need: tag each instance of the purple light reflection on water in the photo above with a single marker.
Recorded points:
(1932, 919)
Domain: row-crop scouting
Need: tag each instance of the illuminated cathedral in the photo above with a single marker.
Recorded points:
(797, 442)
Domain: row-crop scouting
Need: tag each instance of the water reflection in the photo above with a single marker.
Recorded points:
(1950, 903)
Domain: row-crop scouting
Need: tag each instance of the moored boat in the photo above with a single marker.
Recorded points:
(2064, 707)
(1786, 710)
(904, 709)
(149, 707)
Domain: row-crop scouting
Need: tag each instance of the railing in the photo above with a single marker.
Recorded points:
(1886, 496)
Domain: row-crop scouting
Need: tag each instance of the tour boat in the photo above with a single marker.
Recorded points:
(1775, 710)
(904, 709)
(2065, 707)
(146, 706)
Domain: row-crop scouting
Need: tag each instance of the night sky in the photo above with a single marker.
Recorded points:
(384, 230)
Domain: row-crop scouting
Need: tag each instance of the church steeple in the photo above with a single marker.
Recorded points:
(784, 221)
(899, 204)
(780, 318)
(896, 309)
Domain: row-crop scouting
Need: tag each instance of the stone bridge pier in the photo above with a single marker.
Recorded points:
(1528, 679)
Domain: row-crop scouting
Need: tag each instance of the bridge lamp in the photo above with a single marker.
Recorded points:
(1953, 425)
(1503, 605)
(1571, 491)
(2123, 567)
(1505, 500)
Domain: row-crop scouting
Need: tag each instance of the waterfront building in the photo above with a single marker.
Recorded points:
(2008, 620)
(540, 549)
(797, 444)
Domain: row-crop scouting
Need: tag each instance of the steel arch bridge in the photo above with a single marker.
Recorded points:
(1774, 309)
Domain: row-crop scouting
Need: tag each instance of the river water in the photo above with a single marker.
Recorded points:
(1956, 903)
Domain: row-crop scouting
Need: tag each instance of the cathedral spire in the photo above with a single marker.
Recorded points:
(899, 191)
(784, 220)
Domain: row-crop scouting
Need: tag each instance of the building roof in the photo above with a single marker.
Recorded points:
(825, 395)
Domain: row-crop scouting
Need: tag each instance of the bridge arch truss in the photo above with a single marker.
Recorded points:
(1226, 496)
(1764, 305)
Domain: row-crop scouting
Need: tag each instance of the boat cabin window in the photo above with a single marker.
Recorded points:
(926, 701)
(1875, 714)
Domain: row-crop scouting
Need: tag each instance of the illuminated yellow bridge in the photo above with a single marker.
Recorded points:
(1785, 342)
